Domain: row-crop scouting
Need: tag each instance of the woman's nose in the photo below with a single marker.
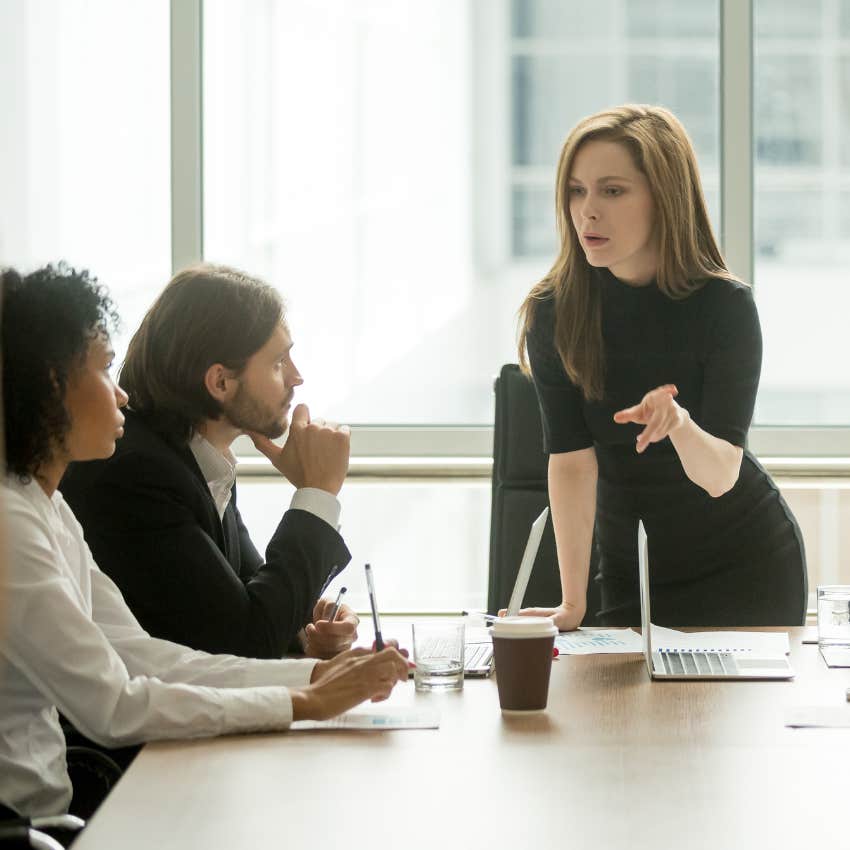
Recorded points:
(588, 210)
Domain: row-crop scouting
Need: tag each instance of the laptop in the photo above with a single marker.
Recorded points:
(697, 664)
(478, 646)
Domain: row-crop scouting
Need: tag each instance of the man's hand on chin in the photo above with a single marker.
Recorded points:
(315, 454)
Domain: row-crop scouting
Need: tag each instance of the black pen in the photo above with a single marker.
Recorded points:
(335, 609)
(379, 640)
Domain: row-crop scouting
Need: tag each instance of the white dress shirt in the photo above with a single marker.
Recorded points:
(219, 471)
(72, 643)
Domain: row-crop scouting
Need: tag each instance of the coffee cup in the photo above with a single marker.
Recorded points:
(522, 648)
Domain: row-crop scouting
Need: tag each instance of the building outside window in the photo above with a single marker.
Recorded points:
(802, 209)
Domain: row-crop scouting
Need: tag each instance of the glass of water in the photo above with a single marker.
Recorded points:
(834, 615)
(438, 655)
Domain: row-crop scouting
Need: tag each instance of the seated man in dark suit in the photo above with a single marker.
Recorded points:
(210, 361)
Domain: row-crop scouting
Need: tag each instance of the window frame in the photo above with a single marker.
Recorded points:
(430, 451)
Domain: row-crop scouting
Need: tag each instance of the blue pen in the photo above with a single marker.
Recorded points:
(379, 640)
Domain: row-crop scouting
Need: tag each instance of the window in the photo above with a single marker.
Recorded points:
(802, 204)
(390, 166)
(84, 162)
(427, 541)
(338, 147)
(566, 66)
(355, 156)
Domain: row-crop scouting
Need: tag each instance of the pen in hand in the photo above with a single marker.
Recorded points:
(335, 609)
(379, 640)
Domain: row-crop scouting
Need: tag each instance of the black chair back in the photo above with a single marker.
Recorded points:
(519, 495)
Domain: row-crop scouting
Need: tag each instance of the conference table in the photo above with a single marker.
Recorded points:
(616, 761)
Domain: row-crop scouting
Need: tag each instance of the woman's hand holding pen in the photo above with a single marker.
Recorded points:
(325, 638)
(659, 412)
(325, 668)
(347, 680)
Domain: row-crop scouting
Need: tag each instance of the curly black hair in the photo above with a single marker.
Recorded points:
(48, 319)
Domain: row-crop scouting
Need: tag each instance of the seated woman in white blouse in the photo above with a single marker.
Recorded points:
(70, 641)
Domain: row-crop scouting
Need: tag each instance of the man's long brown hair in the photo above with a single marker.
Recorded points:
(687, 250)
(206, 314)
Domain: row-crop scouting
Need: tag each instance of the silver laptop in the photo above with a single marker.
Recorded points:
(528, 559)
(697, 664)
(478, 652)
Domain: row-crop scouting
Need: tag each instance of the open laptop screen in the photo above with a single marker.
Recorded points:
(643, 572)
(528, 558)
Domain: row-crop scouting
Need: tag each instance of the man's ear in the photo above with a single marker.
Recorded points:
(220, 382)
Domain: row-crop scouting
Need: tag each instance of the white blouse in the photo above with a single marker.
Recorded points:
(72, 644)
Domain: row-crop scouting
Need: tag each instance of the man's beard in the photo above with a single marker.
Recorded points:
(250, 414)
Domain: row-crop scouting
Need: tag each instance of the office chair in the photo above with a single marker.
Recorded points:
(28, 832)
(519, 495)
(93, 774)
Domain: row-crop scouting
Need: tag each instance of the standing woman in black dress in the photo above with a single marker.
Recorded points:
(645, 352)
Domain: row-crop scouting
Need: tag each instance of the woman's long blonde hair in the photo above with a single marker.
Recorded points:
(687, 250)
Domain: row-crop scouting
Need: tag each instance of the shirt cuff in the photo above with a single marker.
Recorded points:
(320, 503)
(292, 672)
(266, 709)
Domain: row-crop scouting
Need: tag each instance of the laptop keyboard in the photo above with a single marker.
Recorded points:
(699, 663)
(475, 655)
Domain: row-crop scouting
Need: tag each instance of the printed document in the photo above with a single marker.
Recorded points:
(819, 716)
(376, 720)
(598, 641)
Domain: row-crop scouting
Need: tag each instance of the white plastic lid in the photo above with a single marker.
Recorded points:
(523, 627)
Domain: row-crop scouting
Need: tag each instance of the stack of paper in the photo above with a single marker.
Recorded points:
(836, 656)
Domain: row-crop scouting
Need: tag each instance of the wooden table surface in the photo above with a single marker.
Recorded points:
(616, 761)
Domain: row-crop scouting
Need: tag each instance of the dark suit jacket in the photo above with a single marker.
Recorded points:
(188, 576)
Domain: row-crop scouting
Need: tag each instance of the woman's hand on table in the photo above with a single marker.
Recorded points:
(566, 617)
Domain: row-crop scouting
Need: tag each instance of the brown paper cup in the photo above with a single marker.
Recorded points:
(522, 647)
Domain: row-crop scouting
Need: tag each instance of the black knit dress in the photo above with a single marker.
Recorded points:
(736, 560)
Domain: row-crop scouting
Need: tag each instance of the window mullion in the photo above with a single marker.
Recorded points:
(736, 142)
(186, 134)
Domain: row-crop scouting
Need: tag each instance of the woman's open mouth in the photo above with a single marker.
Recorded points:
(593, 240)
